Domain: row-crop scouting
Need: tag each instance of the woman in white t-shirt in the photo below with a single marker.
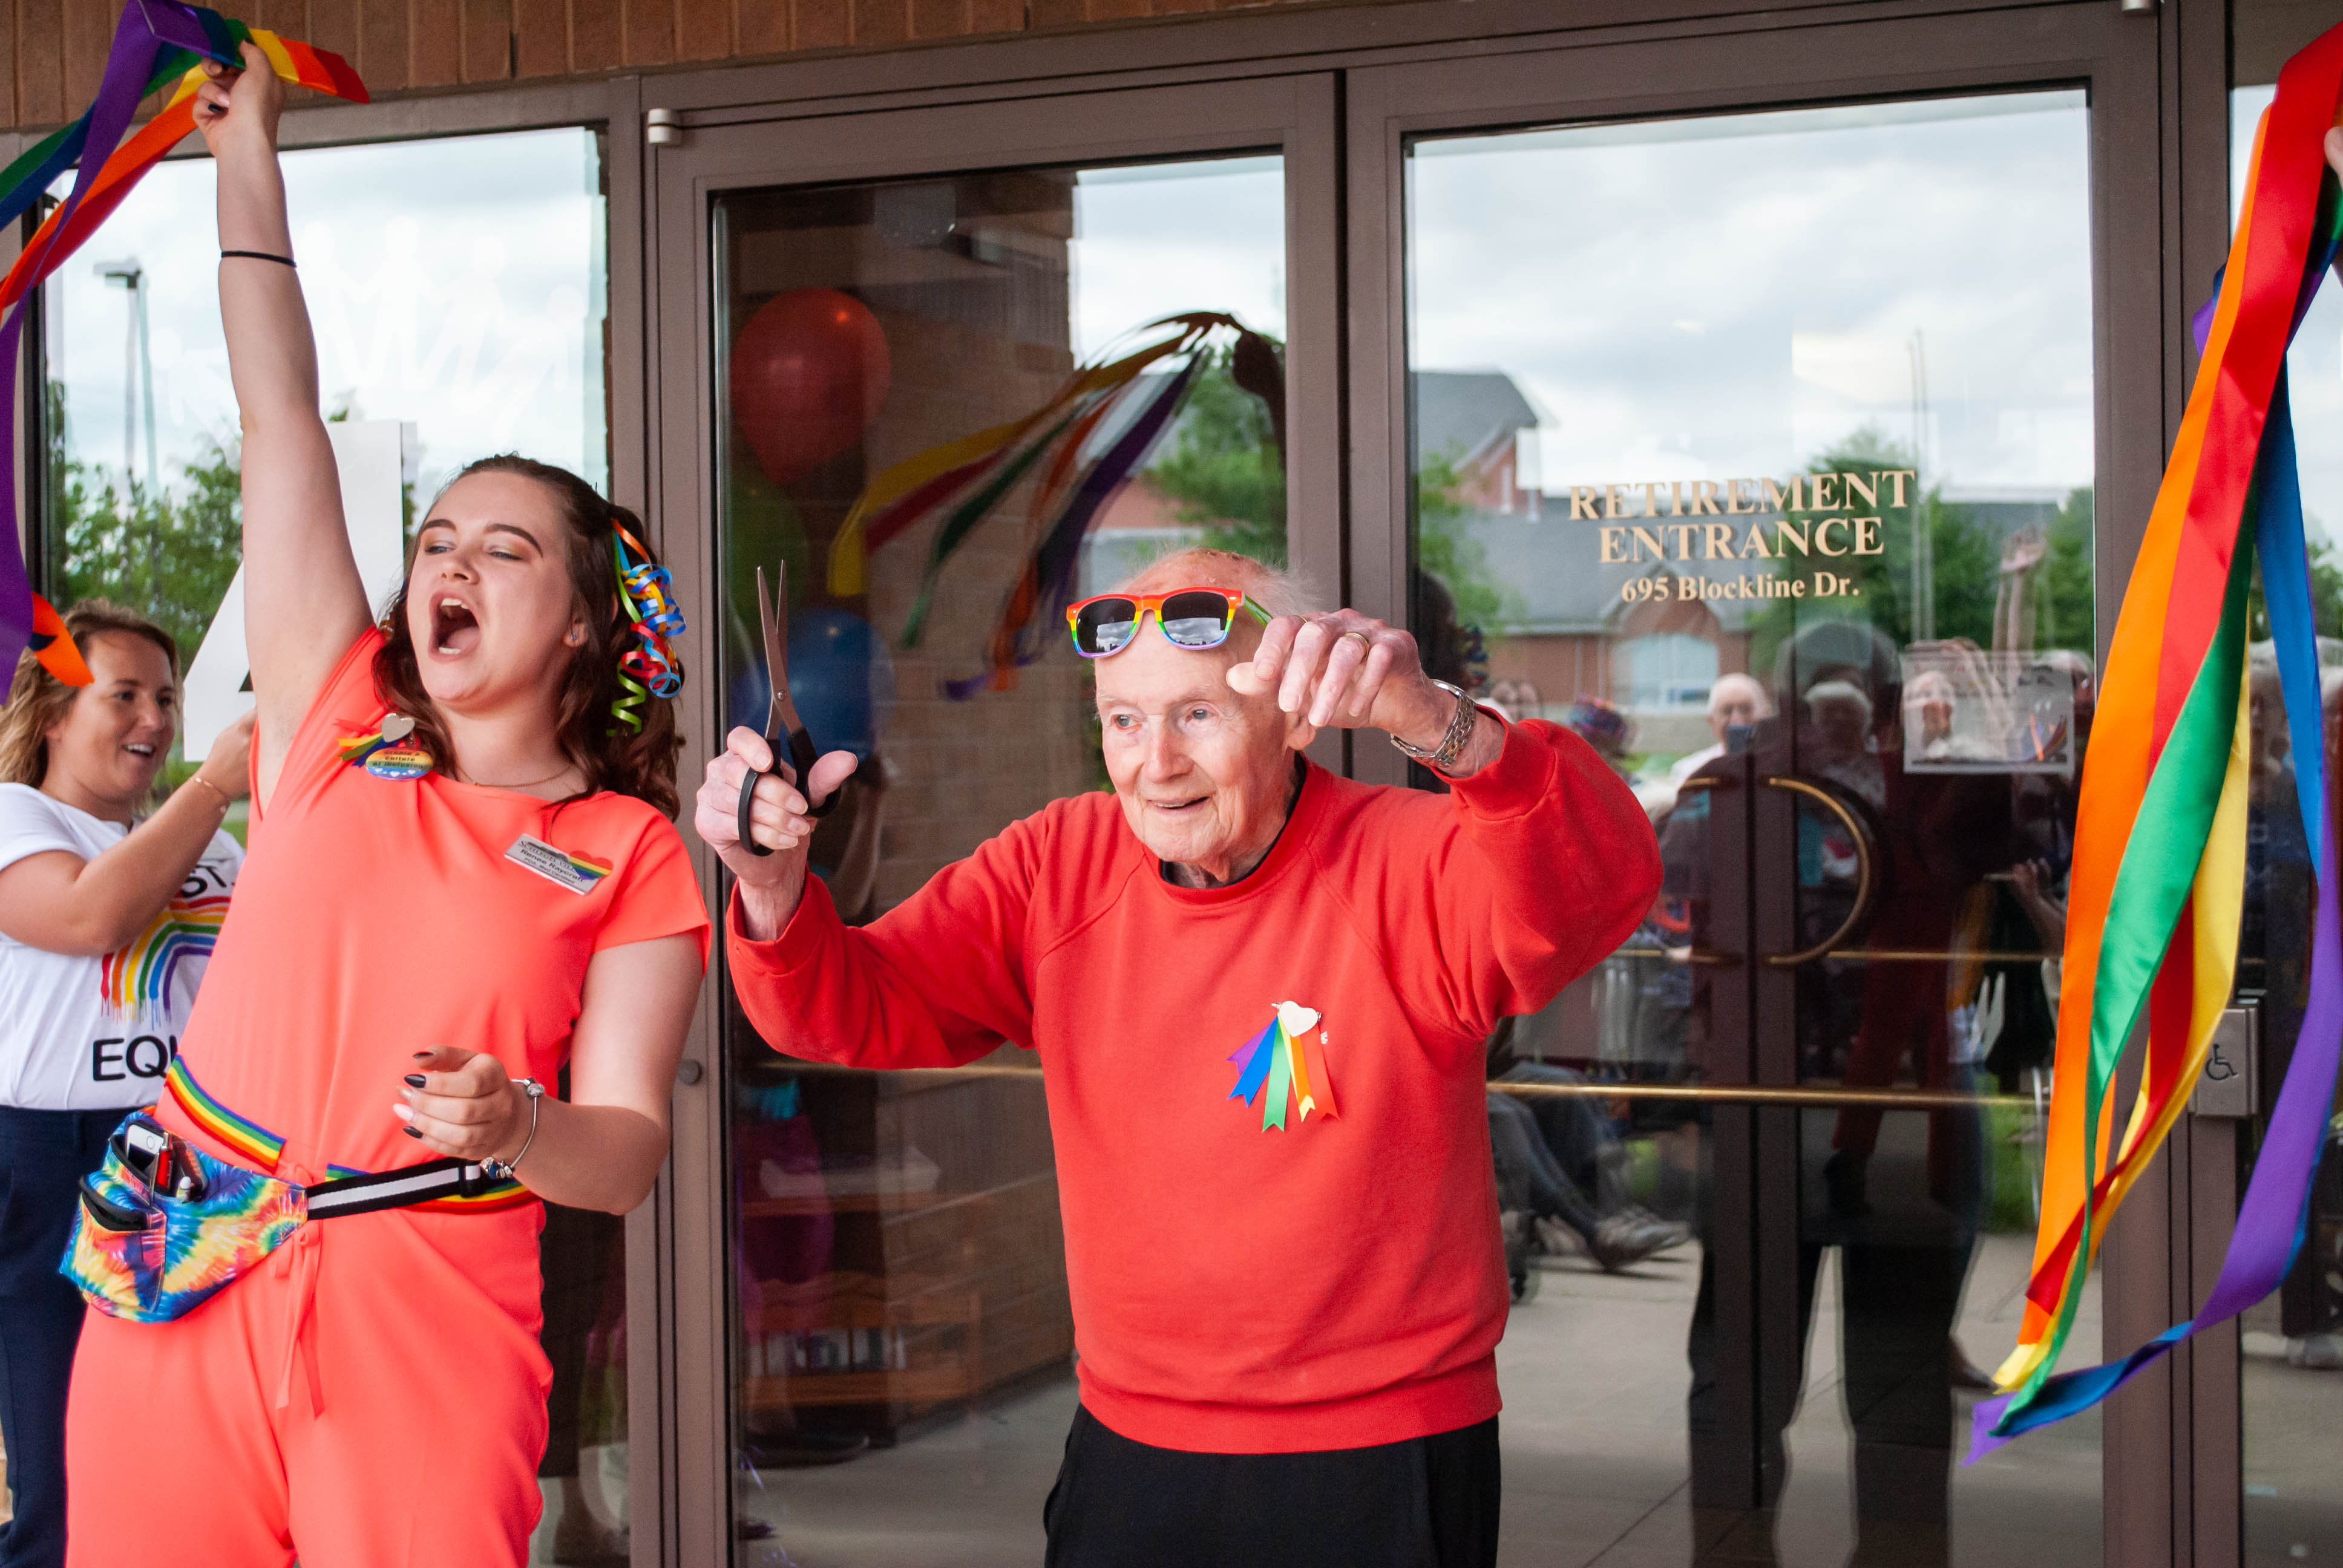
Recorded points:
(107, 914)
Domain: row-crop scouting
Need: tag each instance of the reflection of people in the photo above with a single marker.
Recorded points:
(480, 885)
(1929, 704)
(1843, 748)
(1902, 1210)
(1602, 724)
(1549, 1150)
(1735, 701)
(94, 889)
(1285, 1308)
(1516, 698)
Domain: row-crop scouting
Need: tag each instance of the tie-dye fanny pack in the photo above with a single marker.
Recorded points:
(164, 1226)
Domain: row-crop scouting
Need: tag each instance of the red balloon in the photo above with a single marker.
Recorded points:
(809, 373)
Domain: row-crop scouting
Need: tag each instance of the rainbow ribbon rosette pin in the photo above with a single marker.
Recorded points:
(2159, 878)
(1287, 1059)
(159, 45)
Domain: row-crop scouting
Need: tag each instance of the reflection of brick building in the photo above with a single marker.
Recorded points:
(1472, 419)
(1574, 624)
(1569, 632)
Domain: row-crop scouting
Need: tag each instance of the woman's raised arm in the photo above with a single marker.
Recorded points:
(304, 602)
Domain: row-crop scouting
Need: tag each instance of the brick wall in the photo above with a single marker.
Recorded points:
(52, 51)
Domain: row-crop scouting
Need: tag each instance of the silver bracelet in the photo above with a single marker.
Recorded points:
(1442, 756)
(502, 1169)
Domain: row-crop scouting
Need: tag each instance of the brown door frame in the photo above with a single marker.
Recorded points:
(1292, 114)
(2179, 1447)
(1821, 55)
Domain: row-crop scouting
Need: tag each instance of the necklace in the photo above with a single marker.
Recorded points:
(524, 784)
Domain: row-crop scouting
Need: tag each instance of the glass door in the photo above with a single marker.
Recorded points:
(2288, 1350)
(890, 1335)
(1757, 434)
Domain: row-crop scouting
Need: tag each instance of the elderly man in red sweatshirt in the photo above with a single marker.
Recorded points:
(1259, 992)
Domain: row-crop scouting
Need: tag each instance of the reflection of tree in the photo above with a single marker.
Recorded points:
(168, 554)
(2069, 612)
(2325, 590)
(1965, 567)
(1447, 549)
(1223, 473)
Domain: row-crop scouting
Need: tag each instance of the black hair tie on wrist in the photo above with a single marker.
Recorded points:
(260, 255)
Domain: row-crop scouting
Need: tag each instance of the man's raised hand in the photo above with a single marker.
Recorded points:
(1349, 671)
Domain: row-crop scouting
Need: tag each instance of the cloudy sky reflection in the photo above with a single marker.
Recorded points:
(1156, 238)
(455, 283)
(1727, 297)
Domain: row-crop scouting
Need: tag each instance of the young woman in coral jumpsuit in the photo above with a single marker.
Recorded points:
(397, 962)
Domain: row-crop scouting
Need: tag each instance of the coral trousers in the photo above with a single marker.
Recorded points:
(371, 1396)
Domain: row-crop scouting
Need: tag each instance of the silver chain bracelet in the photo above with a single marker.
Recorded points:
(502, 1169)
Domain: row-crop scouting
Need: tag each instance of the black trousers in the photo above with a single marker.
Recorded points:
(1430, 1503)
(43, 1155)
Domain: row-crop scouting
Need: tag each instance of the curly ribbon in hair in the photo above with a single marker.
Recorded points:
(648, 595)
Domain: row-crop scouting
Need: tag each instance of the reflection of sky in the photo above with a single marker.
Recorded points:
(1725, 297)
(1153, 239)
(456, 284)
(2315, 362)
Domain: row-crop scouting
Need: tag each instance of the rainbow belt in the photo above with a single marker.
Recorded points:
(262, 1148)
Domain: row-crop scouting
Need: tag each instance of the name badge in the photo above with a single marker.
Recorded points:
(575, 872)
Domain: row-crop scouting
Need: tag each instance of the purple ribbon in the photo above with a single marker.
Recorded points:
(137, 40)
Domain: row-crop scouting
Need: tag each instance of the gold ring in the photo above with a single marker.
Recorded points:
(1368, 641)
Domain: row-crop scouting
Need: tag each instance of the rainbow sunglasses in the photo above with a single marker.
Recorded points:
(1189, 617)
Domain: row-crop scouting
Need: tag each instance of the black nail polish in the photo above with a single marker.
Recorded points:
(422, 1056)
(411, 1132)
(413, 1080)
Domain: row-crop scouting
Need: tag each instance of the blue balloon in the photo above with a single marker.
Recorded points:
(841, 677)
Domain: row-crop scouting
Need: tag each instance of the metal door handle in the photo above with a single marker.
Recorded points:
(1867, 879)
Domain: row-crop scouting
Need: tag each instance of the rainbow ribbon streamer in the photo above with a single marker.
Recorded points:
(1053, 446)
(648, 594)
(53, 644)
(2160, 837)
(156, 44)
(1289, 1060)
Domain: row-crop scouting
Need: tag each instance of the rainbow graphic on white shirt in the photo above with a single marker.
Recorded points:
(135, 980)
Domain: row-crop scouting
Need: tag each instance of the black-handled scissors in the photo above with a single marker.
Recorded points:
(780, 719)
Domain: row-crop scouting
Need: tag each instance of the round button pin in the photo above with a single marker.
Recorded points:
(399, 763)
